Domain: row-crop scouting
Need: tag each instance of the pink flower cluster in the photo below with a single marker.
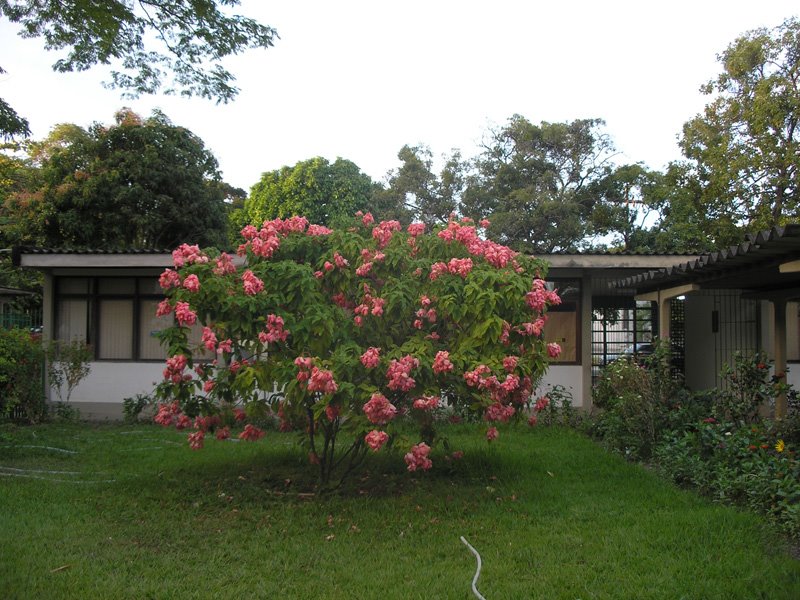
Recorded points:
(187, 255)
(252, 284)
(206, 423)
(371, 357)
(416, 229)
(540, 297)
(340, 261)
(304, 365)
(369, 305)
(441, 362)
(426, 403)
(514, 388)
(191, 283)
(460, 266)
(491, 434)
(175, 367)
(534, 329)
(553, 350)
(167, 414)
(425, 313)
(382, 233)
(275, 331)
(169, 279)
(495, 254)
(317, 230)
(184, 314)
(499, 412)
(399, 373)
(510, 363)
(196, 440)
(251, 433)
(224, 265)
(379, 410)
(376, 439)
(164, 308)
(321, 380)
(209, 339)
(418, 457)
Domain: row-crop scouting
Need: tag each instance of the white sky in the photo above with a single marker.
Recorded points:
(359, 79)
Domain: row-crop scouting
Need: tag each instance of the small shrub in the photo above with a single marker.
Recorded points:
(559, 409)
(67, 365)
(749, 386)
(21, 385)
(134, 406)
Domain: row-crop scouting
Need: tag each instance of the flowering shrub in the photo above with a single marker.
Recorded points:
(363, 326)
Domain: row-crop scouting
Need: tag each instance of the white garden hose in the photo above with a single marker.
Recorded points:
(477, 572)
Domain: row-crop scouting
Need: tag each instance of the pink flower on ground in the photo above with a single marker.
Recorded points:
(441, 363)
(553, 350)
(184, 314)
(371, 358)
(379, 410)
(376, 439)
(196, 440)
(532, 420)
(491, 434)
(251, 433)
(418, 457)
(252, 284)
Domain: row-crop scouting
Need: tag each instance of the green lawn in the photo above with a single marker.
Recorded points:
(133, 513)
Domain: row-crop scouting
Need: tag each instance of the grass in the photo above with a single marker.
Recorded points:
(133, 513)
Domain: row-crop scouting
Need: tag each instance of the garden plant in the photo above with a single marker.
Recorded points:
(355, 328)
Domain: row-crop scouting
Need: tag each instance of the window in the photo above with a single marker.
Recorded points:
(563, 321)
(115, 315)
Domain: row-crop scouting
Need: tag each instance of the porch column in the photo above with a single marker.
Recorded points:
(663, 297)
(664, 313)
(779, 352)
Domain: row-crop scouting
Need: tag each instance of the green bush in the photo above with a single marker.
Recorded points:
(635, 400)
(748, 386)
(22, 394)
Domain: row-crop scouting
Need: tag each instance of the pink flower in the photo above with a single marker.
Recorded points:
(340, 260)
(175, 367)
(196, 440)
(541, 404)
(209, 339)
(184, 314)
(367, 219)
(383, 232)
(399, 371)
(187, 255)
(252, 284)
(379, 410)
(499, 412)
(426, 403)
(322, 381)
(192, 283)
(371, 357)
(441, 363)
(205, 423)
(376, 439)
(491, 434)
(224, 433)
(418, 457)
(164, 308)
(416, 229)
(225, 346)
(224, 264)
(183, 422)
(328, 266)
(239, 415)
(510, 363)
(364, 269)
(460, 266)
(251, 433)
(275, 331)
(437, 270)
(208, 386)
(318, 230)
(484, 223)
(331, 411)
(553, 350)
(457, 455)
(169, 279)
(532, 420)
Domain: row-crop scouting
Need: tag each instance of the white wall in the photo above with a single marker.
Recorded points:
(115, 381)
(570, 376)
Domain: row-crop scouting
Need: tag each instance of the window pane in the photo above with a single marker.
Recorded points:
(149, 285)
(116, 285)
(115, 338)
(73, 285)
(149, 326)
(72, 319)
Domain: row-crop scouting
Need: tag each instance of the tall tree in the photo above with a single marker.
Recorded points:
(534, 182)
(316, 189)
(414, 192)
(146, 39)
(139, 183)
(745, 146)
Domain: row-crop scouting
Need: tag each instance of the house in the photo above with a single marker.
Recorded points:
(109, 298)
(743, 298)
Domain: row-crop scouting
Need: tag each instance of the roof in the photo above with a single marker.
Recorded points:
(72, 257)
(753, 265)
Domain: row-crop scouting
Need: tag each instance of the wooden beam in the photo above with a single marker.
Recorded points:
(669, 293)
(793, 266)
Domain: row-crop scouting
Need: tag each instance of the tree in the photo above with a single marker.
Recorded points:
(139, 183)
(316, 188)
(744, 146)
(145, 38)
(414, 191)
(534, 182)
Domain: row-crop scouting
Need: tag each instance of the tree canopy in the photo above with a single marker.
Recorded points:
(138, 183)
(317, 189)
(744, 146)
(174, 46)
